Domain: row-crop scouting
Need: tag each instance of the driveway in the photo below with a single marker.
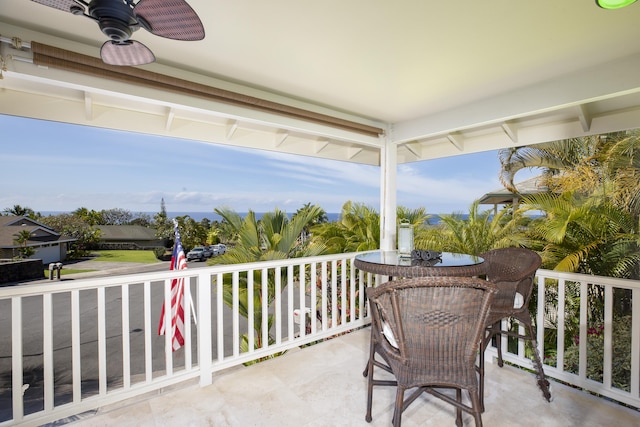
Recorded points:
(108, 268)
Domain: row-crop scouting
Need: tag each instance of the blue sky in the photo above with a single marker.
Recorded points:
(51, 166)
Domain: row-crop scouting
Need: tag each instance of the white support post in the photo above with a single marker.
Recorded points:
(388, 189)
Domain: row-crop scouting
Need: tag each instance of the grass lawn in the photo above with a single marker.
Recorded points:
(146, 257)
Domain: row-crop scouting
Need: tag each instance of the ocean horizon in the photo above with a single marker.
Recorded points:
(197, 216)
(212, 216)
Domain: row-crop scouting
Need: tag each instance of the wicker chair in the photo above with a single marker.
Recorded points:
(427, 331)
(512, 270)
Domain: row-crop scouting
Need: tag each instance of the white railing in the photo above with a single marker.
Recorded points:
(76, 345)
(584, 351)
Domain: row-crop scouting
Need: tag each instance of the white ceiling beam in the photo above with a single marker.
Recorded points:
(280, 137)
(231, 129)
(88, 106)
(584, 117)
(353, 152)
(169, 118)
(413, 148)
(511, 130)
(321, 145)
(572, 89)
(457, 140)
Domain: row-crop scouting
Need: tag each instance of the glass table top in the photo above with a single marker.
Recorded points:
(392, 258)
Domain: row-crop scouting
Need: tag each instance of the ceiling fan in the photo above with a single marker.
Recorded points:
(118, 19)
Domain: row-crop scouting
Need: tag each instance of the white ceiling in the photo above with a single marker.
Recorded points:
(442, 78)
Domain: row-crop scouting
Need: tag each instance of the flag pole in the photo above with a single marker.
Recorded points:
(193, 310)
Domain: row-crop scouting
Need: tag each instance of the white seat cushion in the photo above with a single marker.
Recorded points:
(518, 300)
(388, 334)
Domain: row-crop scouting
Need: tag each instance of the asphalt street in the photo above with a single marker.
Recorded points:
(107, 268)
(32, 334)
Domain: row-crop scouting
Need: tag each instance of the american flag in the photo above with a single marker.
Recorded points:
(178, 262)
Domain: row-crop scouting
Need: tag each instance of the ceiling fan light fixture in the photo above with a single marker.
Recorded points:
(614, 4)
(129, 53)
(118, 19)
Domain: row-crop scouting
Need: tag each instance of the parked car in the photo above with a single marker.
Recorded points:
(219, 249)
(199, 253)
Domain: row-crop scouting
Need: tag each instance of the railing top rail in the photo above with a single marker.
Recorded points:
(159, 276)
(597, 280)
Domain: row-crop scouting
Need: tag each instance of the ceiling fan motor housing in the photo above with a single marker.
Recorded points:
(115, 18)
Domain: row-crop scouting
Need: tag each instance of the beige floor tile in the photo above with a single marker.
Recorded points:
(322, 385)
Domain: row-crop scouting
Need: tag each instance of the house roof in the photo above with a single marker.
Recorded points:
(437, 79)
(126, 233)
(525, 188)
(10, 226)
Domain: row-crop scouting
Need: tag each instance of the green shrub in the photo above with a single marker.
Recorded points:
(621, 353)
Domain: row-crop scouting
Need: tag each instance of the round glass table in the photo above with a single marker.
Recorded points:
(390, 263)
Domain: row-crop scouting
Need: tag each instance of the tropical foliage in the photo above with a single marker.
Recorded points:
(591, 213)
(589, 225)
(71, 225)
(474, 233)
(18, 210)
(273, 237)
(21, 239)
(357, 229)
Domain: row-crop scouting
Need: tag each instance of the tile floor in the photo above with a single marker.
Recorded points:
(323, 385)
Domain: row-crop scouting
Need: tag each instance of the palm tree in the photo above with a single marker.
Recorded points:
(417, 217)
(477, 233)
(321, 215)
(595, 180)
(552, 157)
(273, 237)
(622, 164)
(320, 218)
(582, 234)
(89, 216)
(18, 210)
(358, 229)
(604, 166)
(21, 238)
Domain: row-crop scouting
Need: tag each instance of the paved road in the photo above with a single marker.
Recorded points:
(33, 331)
(107, 268)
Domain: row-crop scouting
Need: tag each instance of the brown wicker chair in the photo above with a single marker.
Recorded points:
(427, 331)
(512, 270)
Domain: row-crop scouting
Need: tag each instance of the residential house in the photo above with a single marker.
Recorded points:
(128, 237)
(49, 245)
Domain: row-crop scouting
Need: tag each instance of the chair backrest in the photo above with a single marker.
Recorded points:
(436, 322)
(513, 271)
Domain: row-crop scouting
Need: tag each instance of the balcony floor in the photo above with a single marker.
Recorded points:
(322, 385)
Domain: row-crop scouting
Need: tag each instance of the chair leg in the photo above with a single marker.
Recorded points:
(543, 383)
(397, 411)
(496, 329)
(369, 373)
(366, 368)
(458, 408)
(476, 409)
(483, 348)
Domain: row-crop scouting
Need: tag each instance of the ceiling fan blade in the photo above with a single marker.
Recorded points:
(173, 19)
(130, 52)
(65, 5)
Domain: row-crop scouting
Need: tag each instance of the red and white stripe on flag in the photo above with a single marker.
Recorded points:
(178, 262)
